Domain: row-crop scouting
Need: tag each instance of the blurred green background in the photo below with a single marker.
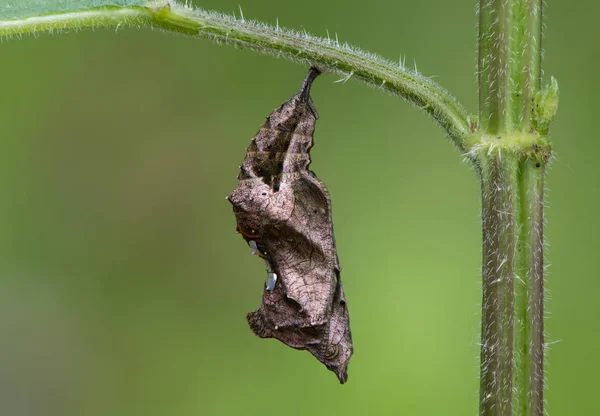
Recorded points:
(124, 287)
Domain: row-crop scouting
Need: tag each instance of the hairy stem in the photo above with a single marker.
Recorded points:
(512, 155)
(512, 171)
(499, 196)
(326, 54)
(494, 66)
(509, 64)
(529, 288)
(526, 58)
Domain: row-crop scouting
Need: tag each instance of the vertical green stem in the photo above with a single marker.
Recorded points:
(509, 71)
(526, 58)
(499, 197)
(529, 288)
(494, 66)
(509, 64)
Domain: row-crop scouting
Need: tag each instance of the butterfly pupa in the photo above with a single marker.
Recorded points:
(283, 211)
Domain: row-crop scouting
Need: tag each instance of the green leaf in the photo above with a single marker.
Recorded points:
(19, 9)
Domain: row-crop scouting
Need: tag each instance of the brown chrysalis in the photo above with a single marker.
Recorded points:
(284, 213)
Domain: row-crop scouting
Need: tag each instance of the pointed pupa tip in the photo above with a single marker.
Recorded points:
(342, 375)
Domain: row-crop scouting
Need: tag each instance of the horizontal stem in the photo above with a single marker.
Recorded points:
(328, 55)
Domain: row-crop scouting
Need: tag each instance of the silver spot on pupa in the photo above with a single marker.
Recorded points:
(271, 277)
(271, 281)
(253, 247)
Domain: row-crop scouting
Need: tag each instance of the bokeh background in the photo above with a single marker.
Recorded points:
(124, 287)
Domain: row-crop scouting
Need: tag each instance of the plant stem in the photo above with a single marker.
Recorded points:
(499, 186)
(512, 171)
(512, 155)
(326, 54)
(526, 59)
(494, 66)
(510, 54)
(529, 311)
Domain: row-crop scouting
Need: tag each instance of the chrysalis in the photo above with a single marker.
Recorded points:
(284, 213)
